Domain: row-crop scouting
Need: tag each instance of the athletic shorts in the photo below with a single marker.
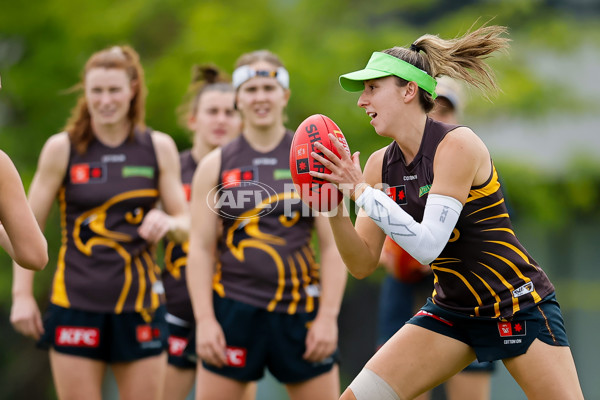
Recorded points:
(497, 339)
(257, 338)
(106, 337)
(182, 342)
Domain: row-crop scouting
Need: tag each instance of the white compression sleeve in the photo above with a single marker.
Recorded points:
(424, 241)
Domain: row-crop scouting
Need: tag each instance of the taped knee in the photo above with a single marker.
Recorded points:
(369, 386)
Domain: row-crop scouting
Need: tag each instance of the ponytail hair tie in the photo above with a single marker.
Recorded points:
(415, 48)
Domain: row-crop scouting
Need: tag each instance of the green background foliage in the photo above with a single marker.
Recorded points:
(44, 45)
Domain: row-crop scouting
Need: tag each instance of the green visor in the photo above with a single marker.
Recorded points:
(381, 65)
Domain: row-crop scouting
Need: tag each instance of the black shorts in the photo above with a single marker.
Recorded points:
(257, 338)
(496, 339)
(182, 342)
(106, 337)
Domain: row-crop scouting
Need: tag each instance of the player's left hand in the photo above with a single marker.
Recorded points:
(321, 339)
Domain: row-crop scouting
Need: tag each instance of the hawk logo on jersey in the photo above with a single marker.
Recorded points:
(398, 194)
(236, 356)
(88, 173)
(523, 290)
(518, 328)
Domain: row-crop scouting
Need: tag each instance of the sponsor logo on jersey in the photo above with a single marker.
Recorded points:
(523, 290)
(114, 158)
(397, 193)
(236, 177)
(87, 173)
(410, 177)
(236, 356)
(177, 345)
(131, 171)
(77, 336)
(512, 328)
(281, 174)
(423, 190)
(302, 165)
(264, 161)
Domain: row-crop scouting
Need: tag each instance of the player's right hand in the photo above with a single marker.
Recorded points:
(210, 342)
(25, 317)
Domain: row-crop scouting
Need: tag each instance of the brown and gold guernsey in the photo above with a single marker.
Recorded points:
(173, 276)
(483, 270)
(103, 264)
(265, 256)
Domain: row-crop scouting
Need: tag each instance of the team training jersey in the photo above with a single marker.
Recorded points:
(483, 270)
(265, 257)
(104, 265)
(173, 277)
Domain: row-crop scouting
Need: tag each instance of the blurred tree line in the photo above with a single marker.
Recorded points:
(44, 45)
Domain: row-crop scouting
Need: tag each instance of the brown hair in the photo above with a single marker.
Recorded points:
(258, 55)
(460, 58)
(79, 124)
(205, 78)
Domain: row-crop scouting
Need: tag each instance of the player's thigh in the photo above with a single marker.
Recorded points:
(178, 382)
(416, 359)
(546, 372)
(133, 377)
(322, 387)
(470, 385)
(212, 386)
(77, 377)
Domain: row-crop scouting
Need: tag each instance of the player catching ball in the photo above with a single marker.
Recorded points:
(491, 300)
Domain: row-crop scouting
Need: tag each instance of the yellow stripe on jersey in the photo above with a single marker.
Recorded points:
(295, 287)
(496, 304)
(59, 289)
(154, 301)
(139, 301)
(217, 285)
(491, 187)
(310, 305)
(510, 287)
(525, 279)
(127, 282)
(500, 229)
(461, 277)
(486, 207)
(504, 215)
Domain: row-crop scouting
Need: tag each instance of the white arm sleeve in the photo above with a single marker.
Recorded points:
(424, 241)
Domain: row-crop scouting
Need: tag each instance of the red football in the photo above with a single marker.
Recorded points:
(317, 193)
(401, 264)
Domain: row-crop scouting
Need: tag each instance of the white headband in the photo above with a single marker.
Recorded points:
(244, 73)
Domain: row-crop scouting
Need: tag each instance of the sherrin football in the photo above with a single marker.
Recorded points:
(319, 194)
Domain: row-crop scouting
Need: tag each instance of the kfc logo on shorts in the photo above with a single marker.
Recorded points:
(512, 328)
(236, 356)
(77, 336)
(177, 345)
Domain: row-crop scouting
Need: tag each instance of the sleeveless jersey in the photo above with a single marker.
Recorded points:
(265, 256)
(174, 276)
(483, 270)
(103, 264)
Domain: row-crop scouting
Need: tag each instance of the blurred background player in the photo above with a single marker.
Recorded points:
(208, 112)
(408, 283)
(268, 303)
(108, 171)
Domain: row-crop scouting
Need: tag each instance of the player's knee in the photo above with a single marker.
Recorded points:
(369, 386)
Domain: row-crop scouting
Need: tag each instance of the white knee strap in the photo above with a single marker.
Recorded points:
(369, 386)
